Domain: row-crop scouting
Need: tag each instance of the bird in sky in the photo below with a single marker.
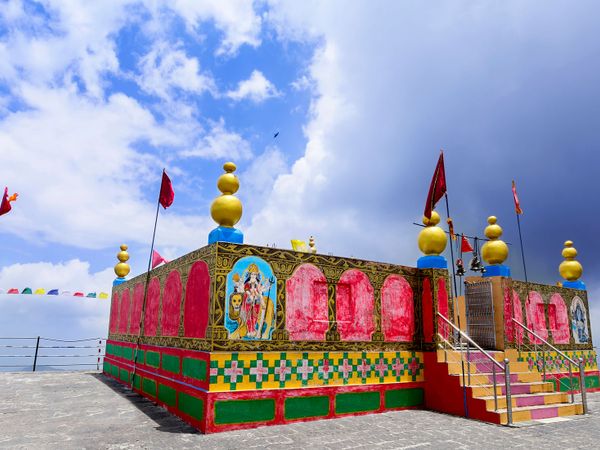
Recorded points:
(276, 134)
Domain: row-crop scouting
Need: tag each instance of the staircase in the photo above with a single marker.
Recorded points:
(463, 379)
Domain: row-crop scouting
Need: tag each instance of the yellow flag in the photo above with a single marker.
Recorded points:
(40, 291)
(103, 295)
(299, 246)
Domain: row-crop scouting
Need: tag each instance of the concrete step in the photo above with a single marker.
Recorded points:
(525, 400)
(531, 387)
(524, 414)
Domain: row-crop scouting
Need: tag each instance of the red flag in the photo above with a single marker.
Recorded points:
(437, 188)
(5, 205)
(518, 209)
(157, 259)
(167, 194)
(465, 246)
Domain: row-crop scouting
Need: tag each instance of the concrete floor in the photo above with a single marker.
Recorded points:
(86, 410)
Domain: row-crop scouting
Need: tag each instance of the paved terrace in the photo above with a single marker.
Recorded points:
(86, 410)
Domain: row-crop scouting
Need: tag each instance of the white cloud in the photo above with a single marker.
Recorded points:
(166, 68)
(220, 143)
(235, 18)
(256, 88)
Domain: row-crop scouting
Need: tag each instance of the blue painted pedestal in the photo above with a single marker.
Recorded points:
(574, 285)
(497, 270)
(226, 234)
(432, 262)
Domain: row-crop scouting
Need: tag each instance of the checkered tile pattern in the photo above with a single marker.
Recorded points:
(286, 370)
(557, 363)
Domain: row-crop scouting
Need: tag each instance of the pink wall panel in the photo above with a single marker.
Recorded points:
(509, 329)
(306, 304)
(558, 319)
(197, 301)
(136, 308)
(427, 303)
(354, 306)
(124, 311)
(397, 309)
(518, 315)
(152, 303)
(171, 307)
(442, 299)
(113, 326)
(536, 317)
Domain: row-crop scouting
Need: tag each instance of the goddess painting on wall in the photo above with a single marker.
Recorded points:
(251, 300)
(579, 322)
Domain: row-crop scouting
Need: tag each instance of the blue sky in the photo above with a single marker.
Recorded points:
(95, 100)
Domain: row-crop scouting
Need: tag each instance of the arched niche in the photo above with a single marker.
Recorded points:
(518, 315)
(442, 301)
(171, 304)
(397, 309)
(306, 304)
(354, 306)
(113, 326)
(136, 308)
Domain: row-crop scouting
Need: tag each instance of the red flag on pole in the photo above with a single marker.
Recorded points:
(518, 209)
(167, 194)
(437, 188)
(465, 246)
(157, 259)
(5, 205)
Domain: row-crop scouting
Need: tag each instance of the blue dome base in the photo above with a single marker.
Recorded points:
(118, 281)
(226, 234)
(497, 270)
(574, 285)
(432, 262)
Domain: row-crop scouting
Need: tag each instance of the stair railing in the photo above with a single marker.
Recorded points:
(468, 342)
(571, 362)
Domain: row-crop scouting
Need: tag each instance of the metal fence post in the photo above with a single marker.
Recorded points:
(508, 396)
(37, 347)
(582, 384)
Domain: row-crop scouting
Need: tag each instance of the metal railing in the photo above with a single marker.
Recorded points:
(462, 344)
(571, 362)
(54, 353)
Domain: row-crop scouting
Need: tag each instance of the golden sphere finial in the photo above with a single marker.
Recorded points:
(494, 251)
(122, 269)
(570, 269)
(432, 239)
(226, 209)
(312, 245)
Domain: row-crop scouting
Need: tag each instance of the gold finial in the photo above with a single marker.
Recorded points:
(122, 268)
(311, 244)
(570, 269)
(494, 251)
(226, 209)
(432, 239)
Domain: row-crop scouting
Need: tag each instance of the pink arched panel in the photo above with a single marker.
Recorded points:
(124, 311)
(152, 303)
(518, 315)
(197, 301)
(354, 306)
(136, 309)
(171, 308)
(558, 319)
(306, 304)
(113, 326)
(536, 317)
(442, 299)
(397, 309)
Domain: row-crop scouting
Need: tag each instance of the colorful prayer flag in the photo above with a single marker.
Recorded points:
(437, 188)
(40, 291)
(167, 194)
(53, 292)
(103, 295)
(26, 291)
(518, 209)
(13, 291)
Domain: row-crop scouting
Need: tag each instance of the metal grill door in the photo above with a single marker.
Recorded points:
(480, 313)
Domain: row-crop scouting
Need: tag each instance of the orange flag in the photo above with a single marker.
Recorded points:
(518, 209)
(5, 204)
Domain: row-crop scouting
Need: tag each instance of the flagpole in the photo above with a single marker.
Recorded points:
(521, 242)
(141, 327)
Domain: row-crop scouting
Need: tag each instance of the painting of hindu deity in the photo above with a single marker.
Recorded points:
(579, 322)
(251, 298)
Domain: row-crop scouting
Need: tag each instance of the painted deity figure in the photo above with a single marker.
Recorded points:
(251, 305)
(579, 322)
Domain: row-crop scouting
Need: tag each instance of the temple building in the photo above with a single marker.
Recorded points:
(236, 336)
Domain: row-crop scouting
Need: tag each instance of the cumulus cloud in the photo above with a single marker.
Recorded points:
(256, 88)
(166, 68)
(218, 143)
